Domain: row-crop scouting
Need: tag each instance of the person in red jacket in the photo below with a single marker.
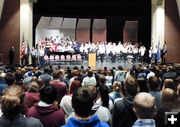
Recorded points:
(46, 111)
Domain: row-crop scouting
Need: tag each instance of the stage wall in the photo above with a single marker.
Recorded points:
(9, 29)
(99, 35)
(172, 31)
(82, 35)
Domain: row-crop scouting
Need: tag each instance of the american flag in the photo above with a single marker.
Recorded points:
(22, 48)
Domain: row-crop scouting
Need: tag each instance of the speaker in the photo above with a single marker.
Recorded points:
(33, 1)
(159, 2)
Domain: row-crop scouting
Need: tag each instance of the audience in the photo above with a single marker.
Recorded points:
(47, 110)
(90, 79)
(48, 96)
(13, 109)
(116, 91)
(32, 94)
(123, 115)
(83, 97)
(154, 86)
(120, 75)
(60, 86)
(66, 100)
(144, 108)
(103, 98)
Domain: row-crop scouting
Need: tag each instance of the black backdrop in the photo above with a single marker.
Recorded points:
(115, 11)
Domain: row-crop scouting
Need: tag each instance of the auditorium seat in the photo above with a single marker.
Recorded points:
(56, 57)
(68, 58)
(73, 57)
(79, 57)
(62, 58)
(51, 57)
(46, 58)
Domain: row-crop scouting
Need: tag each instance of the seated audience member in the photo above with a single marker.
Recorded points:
(178, 92)
(109, 79)
(123, 115)
(9, 79)
(84, 97)
(169, 98)
(28, 78)
(141, 74)
(32, 94)
(66, 100)
(169, 83)
(116, 91)
(76, 75)
(154, 86)
(142, 83)
(169, 74)
(46, 111)
(102, 80)
(103, 98)
(144, 108)
(151, 73)
(102, 112)
(13, 109)
(41, 83)
(46, 77)
(62, 78)
(120, 75)
(90, 79)
(19, 79)
(3, 85)
(60, 86)
(38, 72)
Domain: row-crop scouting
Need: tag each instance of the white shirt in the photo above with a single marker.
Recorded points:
(150, 74)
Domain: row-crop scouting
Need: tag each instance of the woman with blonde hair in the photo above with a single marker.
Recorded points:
(117, 86)
(13, 109)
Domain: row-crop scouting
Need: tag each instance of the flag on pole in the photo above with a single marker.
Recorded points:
(22, 48)
(158, 52)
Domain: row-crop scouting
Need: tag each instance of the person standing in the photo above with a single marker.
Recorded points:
(11, 55)
(33, 55)
(41, 55)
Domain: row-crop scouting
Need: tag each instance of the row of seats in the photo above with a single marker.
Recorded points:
(63, 57)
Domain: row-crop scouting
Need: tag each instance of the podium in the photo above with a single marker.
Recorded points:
(92, 59)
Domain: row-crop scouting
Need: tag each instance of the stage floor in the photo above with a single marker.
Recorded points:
(99, 64)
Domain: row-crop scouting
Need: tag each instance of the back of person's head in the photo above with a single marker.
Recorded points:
(82, 101)
(117, 86)
(90, 73)
(102, 79)
(75, 68)
(120, 67)
(9, 78)
(104, 94)
(75, 72)
(169, 83)
(40, 83)
(46, 69)
(131, 86)
(56, 74)
(48, 94)
(33, 87)
(142, 83)
(18, 76)
(144, 105)
(168, 96)
(12, 102)
(154, 83)
(74, 85)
